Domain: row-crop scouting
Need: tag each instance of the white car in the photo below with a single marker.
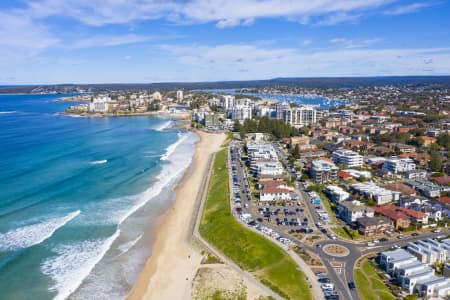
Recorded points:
(327, 286)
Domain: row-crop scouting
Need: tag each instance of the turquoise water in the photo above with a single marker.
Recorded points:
(77, 195)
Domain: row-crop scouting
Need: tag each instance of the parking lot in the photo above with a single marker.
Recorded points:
(279, 220)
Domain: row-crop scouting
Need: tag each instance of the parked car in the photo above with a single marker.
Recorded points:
(437, 230)
(351, 285)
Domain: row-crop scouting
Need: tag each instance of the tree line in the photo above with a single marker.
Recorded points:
(276, 127)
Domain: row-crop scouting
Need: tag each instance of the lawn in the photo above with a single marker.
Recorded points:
(369, 284)
(252, 252)
(343, 233)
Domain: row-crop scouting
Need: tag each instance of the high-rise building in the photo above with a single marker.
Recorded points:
(280, 108)
(227, 102)
(240, 112)
(300, 116)
(180, 95)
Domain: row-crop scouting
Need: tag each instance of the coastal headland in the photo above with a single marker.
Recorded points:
(173, 263)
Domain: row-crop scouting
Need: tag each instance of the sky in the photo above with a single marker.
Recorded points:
(143, 41)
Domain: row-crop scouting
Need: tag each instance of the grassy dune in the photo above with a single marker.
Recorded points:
(252, 252)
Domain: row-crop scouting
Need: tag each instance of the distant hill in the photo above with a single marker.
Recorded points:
(313, 82)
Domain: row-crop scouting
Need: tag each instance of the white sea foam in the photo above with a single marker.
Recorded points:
(7, 112)
(74, 262)
(99, 162)
(127, 246)
(163, 126)
(34, 234)
(171, 149)
(119, 209)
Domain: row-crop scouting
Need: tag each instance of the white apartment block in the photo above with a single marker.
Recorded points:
(99, 104)
(240, 112)
(336, 194)
(300, 116)
(179, 95)
(280, 108)
(271, 168)
(399, 165)
(227, 102)
(323, 171)
(348, 158)
(275, 194)
(372, 191)
(430, 251)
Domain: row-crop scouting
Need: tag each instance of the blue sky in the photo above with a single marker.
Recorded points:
(102, 41)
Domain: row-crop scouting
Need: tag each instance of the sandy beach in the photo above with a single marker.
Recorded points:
(173, 263)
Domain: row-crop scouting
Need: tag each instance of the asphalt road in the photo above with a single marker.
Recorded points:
(356, 250)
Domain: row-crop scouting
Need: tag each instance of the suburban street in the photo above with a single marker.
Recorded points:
(340, 276)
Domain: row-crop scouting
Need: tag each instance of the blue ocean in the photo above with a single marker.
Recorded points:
(80, 197)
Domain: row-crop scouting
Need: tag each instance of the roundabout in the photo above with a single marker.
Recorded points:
(336, 250)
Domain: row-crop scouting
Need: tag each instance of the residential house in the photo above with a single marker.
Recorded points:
(350, 211)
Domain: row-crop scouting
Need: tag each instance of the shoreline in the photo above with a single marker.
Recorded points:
(173, 262)
(149, 113)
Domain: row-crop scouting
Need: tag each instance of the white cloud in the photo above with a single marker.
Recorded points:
(307, 42)
(264, 62)
(227, 23)
(349, 43)
(340, 17)
(410, 8)
(18, 31)
(227, 13)
(108, 41)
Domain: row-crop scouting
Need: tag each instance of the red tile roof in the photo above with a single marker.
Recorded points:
(442, 180)
(444, 199)
(344, 175)
(390, 212)
(413, 213)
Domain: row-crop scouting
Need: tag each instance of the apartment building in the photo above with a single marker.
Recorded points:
(348, 158)
(398, 165)
(323, 171)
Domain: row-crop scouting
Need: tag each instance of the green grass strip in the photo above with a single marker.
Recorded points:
(369, 284)
(249, 250)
